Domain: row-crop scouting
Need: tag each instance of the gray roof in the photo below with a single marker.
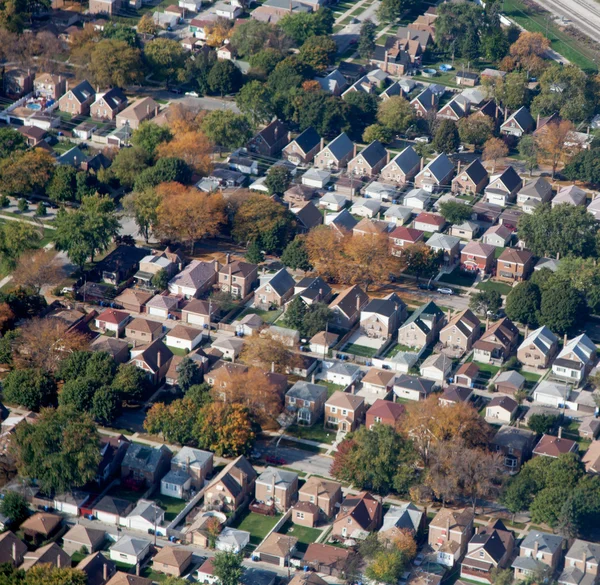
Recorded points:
(253, 576)
(344, 219)
(192, 457)
(514, 437)
(74, 157)
(370, 204)
(426, 311)
(414, 383)
(546, 542)
(307, 391)
(398, 211)
(537, 188)
(529, 564)
(308, 139)
(419, 194)
(195, 274)
(549, 263)
(129, 545)
(281, 282)
(407, 160)
(523, 118)
(144, 457)
(542, 338)
(440, 166)
(341, 146)
(438, 240)
(280, 476)
(334, 198)
(176, 477)
(114, 98)
(343, 368)
(510, 377)
(147, 510)
(510, 179)
(554, 389)
(581, 547)
(406, 516)
(373, 153)
(425, 99)
(574, 576)
(233, 536)
(385, 307)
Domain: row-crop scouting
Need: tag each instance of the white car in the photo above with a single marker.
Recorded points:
(422, 139)
(192, 93)
(445, 291)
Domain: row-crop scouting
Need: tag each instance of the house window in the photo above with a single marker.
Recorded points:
(300, 515)
(292, 400)
(482, 554)
(312, 499)
(332, 419)
(344, 412)
(377, 419)
(333, 409)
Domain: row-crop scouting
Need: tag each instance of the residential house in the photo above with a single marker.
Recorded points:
(112, 452)
(133, 300)
(97, 569)
(466, 230)
(402, 168)
(436, 367)
(509, 382)
(552, 393)
(143, 330)
(327, 559)
(316, 178)
(333, 82)
(341, 373)
(156, 262)
(324, 493)
(478, 257)
(344, 411)
(305, 514)
(519, 123)
(304, 147)
(366, 208)
(298, 195)
(397, 215)
(312, 290)
(378, 382)
(589, 427)
(514, 444)
(538, 348)
(120, 578)
(80, 536)
(370, 227)
(449, 246)
(402, 519)
(274, 290)
(384, 412)
(455, 395)
(429, 222)
(468, 78)
(163, 306)
(277, 487)
(232, 486)
(594, 208)
(496, 343)
(16, 83)
(502, 188)
(347, 306)
(172, 560)
(417, 200)
(129, 550)
(502, 409)
(50, 554)
(195, 279)
(276, 549)
(232, 540)
(489, 550)
(422, 327)
(449, 534)
(183, 337)
(581, 564)
(307, 401)
(134, 114)
(270, 140)
(145, 464)
(461, 331)
(196, 463)
(230, 11)
(322, 342)
(358, 516)
(12, 549)
(112, 320)
(369, 161)
(539, 552)
(230, 347)
(536, 190)
(591, 458)
(380, 317)
(335, 156)
(426, 102)
(497, 235)
(342, 222)
(466, 374)
(403, 236)
(33, 135)
(575, 359)
(412, 387)
(199, 313)
(436, 174)
(381, 191)
(514, 265)
(243, 164)
(110, 510)
(237, 278)
(146, 516)
(108, 105)
(49, 86)
(153, 359)
(399, 56)
(41, 526)
(570, 195)
(458, 107)
(554, 447)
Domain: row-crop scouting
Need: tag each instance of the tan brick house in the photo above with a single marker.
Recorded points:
(325, 493)
(274, 290)
(472, 179)
(344, 411)
(381, 317)
(172, 560)
(403, 167)
(422, 327)
(514, 265)
(134, 114)
(347, 306)
(369, 161)
(449, 534)
(50, 86)
(497, 342)
(277, 487)
(336, 154)
(143, 330)
(538, 348)
(237, 278)
(462, 331)
(77, 100)
(108, 105)
(234, 484)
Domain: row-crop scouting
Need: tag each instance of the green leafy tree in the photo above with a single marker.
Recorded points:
(253, 36)
(295, 313)
(421, 261)
(196, 70)
(495, 44)
(446, 137)
(316, 319)
(455, 212)
(475, 130)
(523, 303)
(29, 388)
(542, 424)
(106, 405)
(387, 566)
(11, 141)
(585, 165)
(128, 164)
(17, 237)
(278, 179)
(392, 10)
(166, 170)
(78, 394)
(366, 39)
(227, 129)
(458, 29)
(15, 507)
(254, 254)
(363, 110)
(562, 310)
(318, 52)
(165, 57)
(114, 63)
(295, 255)
(485, 301)
(160, 280)
(300, 26)
(143, 206)
(513, 92)
(529, 152)
(121, 32)
(396, 114)
(327, 114)
(377, 132)
(224, 78)
(227, 567)
(23, 173)
(23, 205)
(266, 60)
(149, 135)
(41, 210)
(254, 100)
(188, 374)
(130, 382)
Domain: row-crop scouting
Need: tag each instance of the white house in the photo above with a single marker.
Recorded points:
(436, 367)
(112, 320)
(412, 387)
(197, 277)
(551, 393)
(191, 5)
(316, 178)
(381, 191)
(322, 342)
(341, 373)
(501, 409)
(144, 517)
(161, 306)
(333, 201)
(228, 11)
(129, 550)
(417, 199)
(232, 540)
(183, 337)
(576, 359)
(398, 214)
(230, 348)
(176, 484)
(366, 208)
(71, 502)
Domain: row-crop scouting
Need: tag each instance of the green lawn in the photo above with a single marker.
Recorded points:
(397, 348)
(123, 493)
(267, 316)
(76, 557)
(560, 41)
(501, 287)
(331, 387)
(153, 575)
(304, 534)
(459, 278)
(172, 506)
(498, 252)
(256, 524)
(314, 433)
(178, 351)
(361, 350)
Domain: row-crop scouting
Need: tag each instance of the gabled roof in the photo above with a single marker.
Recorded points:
(439, 167)
(385, 307)
(582, 346)
(430, 218)
(341, 146)
(385, 409)
(362, 508)
(406, 160)
(427, 99)
(542, 338)
(509, 178)
(459, 519)
(114, 98)
(406, 234)
(407, 517)
(152, 353)
(537, 188)
(348, 300)
(113, 316)
(415, 383)
(523, 118)
(93, 567)
(10, 544)
(345, 400)
(373, 153)
(466, 322)
(83, 535)
(307, 391)
(82, 91)
(479, 249)
(273, 132)
(144, 325)
(195, 274)
(238, 268)
(511, 378)
(308, 139)
(144, 457)
(427, 311)
(591, 550)
(475, 171)
(139, 109)
(456, 394)
(504, 402)
(443, 241)
(281, 282)
(173, 556)
(515, 256)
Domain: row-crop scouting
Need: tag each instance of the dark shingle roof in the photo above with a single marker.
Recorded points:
(114, 98)
(381, 307)
(440, 166)
(373, 153)
(510, 179)
(83, 91)
(309, 216)
(407, 160)
(476, 171)
(341, 146)
(273, 132)
(523, 118)
(414, 383)
(281, 282)
(308, 139)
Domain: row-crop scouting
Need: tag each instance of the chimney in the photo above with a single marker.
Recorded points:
(385, 62)
(408, 34)
(58, 561)
(137, 569)
(352, 388)
(358, 302)
(105, 571)
(227, 258)
(487, 323)
(272, 367)
(535, 548)
(537, 124)
(560, 432)
(505, 113)
(459, 165)
(322, 145)
(432, 99)
(387, 157)
(422, 163)
(354, 151)
(312, 379)
(584, 561)
(14, 553)
(159, 360)
(565, 339)
(526, 331)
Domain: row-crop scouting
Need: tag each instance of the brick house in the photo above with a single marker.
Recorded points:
(384, 412)
(358, 516)
(436, 174)
(77, 100)
(336, 154)
(497, 343)
(581, 563)
(237, 278)
(458, 107)
(538, 348)
(369, 161)
(461, 331)
(403, 236)
(346, 307)
(472, 179)
(307, 401)
(108, 105)
(234, 484)
(17, 82)
(380, 317)
(539, 552)
(519, 123)
(270, 140)
(403, 167)
(196, 463)
(52, 87)
(422, 327)
(277, 487)
(514, 265)
(136, 113)
(344, 411)
(304, 147)
(449, 534)
(326, 494)
(274, 290)
(429, 222)
(478, 257)
(503, 188)
(143, 330)
(172, 560)
(427, 101)
(514, 444)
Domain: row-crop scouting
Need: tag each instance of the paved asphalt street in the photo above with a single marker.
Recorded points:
(298, 458)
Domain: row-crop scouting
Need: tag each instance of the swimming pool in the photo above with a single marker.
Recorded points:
(34, 106)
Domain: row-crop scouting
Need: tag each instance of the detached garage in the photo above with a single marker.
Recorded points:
(183, 337)
(276, 549)
(162, 306)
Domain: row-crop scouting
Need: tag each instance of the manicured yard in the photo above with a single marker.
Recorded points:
(120, 491)
(399, 347)
(331, 387)
(153, 575)
(172, 506)
(361, 350)
(501, 287)
(304, 534)
(76, 557)
(314, 433)
(178, 351)
(256, 524)
(267, 316)
(459, 278)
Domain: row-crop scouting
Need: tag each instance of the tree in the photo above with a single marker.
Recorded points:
(562, 310)
(227, 567)
(36, 269)
(60, 450)
(396, 113)
(188, 374)
(363, 110)
(455, 212)
(512, 91)
(114, 63)
(218, 31)
(391, 10)
(143, 205)
(584, 166)
(192, 147)
(324, 251)
(421, 261)
(303, 25)
(176, 421)
(225, 429)
(458, 30)
(17, 237)
(27, 172)
(146, 25)
(366, 39)
(128, 164)
(266, 60)
(160, 280)
(446, 137)
(529, 50)
(199, 215)
(227, 129)
(165, 57)
(553, 141)
(295, 313)
(149, 135)
(528, 149)
(30, 388)
(265, 221)
(254, 254)
(14, 506)
(475, 130)
(318, 52)
(254, 100)
(316, 319)
(266, 351)
(494, 150)
(542, 424)
(171, 169)
(252, 36)
(387, 566)
(523, 304)
(295, 255)
(130, 382)
(563, 230)
(377, 132)
(485, 301)
(224, 78)
(278, 179)
(11, 141)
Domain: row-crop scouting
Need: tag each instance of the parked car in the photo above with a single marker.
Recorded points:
(275, 460)
(445, 291)
(422, 139)
(425, 286)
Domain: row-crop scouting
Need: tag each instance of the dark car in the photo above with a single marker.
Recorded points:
(425, 286)
(274, 460)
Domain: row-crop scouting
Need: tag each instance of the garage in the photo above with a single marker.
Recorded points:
(271, 559)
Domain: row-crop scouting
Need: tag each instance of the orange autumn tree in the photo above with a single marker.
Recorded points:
(552, 143)
(529, 49)
(324, 251)
(225, 429)
(187, 215)
(191, 146)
